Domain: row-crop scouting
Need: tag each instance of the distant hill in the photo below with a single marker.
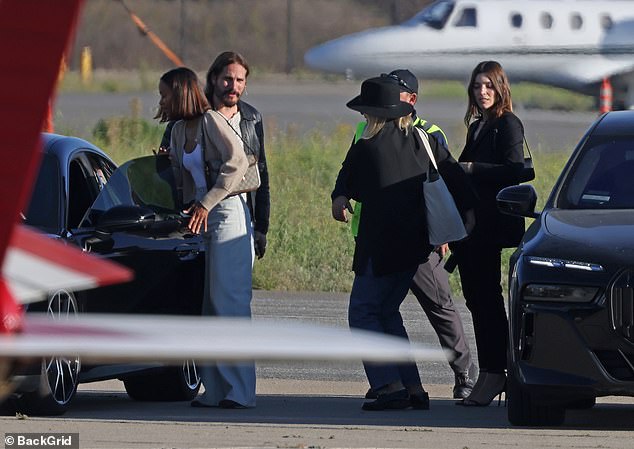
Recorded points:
(197, 30)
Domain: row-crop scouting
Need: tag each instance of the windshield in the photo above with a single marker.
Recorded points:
(602, 177)
(147, 181)
(434, 16)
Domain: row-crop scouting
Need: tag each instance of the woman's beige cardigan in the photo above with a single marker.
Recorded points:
(223, 148)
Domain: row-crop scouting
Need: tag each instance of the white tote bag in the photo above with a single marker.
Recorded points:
(444, 222)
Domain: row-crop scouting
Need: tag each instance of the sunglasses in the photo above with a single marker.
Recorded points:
(398, 80)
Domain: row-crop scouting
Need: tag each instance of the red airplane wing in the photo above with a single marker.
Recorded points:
(33, 37)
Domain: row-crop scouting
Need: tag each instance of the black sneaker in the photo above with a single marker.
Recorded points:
(419, 401)
(397, 400)
(371, 394)
(464, 383)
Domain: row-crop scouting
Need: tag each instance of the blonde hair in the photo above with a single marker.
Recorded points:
(376, 124)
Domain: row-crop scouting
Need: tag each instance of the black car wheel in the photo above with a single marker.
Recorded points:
(175, 383)
(523, 410)
(60, 375)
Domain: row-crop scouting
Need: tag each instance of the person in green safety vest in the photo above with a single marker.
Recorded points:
(430, 284)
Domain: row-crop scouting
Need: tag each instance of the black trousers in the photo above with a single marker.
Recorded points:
(480, 265)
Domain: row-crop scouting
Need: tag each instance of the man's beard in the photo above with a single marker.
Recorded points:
(224, 99)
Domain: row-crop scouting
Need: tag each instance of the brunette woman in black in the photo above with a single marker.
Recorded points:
(493, 158)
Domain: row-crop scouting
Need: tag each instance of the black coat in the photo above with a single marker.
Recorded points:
(386, 173)
(253, 133)
(497, 154)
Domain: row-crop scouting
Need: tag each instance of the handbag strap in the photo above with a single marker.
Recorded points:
(425, 139)
(528, 148)
(495, 135)
(246, 144)
(204, 151)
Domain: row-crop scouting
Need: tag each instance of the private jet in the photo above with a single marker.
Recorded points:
(33, 38)
(580, 45)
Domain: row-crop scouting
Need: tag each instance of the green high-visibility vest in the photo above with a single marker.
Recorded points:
(356, 216)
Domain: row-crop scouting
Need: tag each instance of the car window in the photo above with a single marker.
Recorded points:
(602, 177)
(44, 211)
(100, 169)
(83, 188)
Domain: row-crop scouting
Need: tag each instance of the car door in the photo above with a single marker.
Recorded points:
(134, 221)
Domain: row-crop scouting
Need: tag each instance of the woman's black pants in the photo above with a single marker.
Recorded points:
(479, 265)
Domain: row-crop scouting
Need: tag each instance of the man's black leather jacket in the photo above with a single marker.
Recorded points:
(252, 131)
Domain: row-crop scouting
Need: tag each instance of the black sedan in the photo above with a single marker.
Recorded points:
(128, 215)
(571, 286)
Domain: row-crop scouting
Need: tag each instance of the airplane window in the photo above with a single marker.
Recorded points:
(546, 20)
(516, 20)
(606, 22)
(576, 22)
(434, 16)
(467, 18)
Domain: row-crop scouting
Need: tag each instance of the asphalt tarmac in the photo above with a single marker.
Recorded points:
(317, 405)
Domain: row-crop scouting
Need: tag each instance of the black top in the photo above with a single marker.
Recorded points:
(497, 154)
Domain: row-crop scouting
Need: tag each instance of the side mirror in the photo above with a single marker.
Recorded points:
(518, 200)
(125, 218)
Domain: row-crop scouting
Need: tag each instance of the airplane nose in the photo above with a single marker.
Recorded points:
(346, 54)
(322, 57)
(357, 54)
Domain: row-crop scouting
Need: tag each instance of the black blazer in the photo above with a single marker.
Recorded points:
(386, 174)
(253, 132)
(497, 154)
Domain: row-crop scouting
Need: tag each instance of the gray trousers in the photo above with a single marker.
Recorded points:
(229, 264)
(431, 287)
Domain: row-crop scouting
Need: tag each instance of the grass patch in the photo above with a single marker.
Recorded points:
(529, 95)
(307, 249)
(111, 81)
(537, 96)
(125, 138)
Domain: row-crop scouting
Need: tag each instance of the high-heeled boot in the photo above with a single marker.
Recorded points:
(488, 386)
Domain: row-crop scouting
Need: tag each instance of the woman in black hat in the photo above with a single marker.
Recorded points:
(385, 170)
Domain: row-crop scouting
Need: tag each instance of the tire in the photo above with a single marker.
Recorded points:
(60, 375)
(523, 410)
(174, 383)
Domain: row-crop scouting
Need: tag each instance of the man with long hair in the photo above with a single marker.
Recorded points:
(226, 83)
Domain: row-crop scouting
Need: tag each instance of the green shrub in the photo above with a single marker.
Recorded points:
(125, 138)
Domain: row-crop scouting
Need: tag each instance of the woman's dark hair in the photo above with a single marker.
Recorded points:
(503, 103)
(222, 60)
(188, 99)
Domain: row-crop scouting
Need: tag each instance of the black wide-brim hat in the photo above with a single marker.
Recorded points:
(381, 98)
